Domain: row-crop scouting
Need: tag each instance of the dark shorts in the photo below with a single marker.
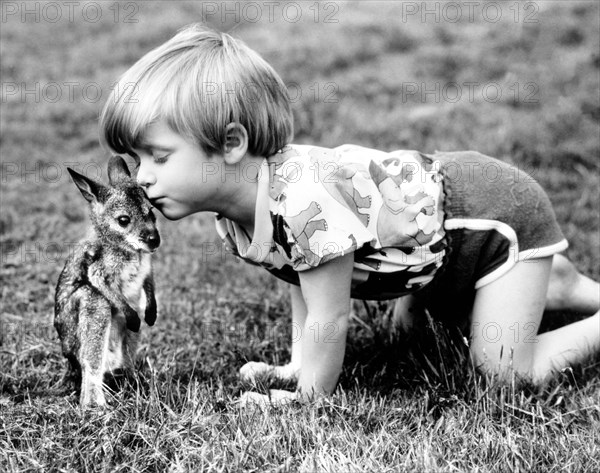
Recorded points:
(495, 215)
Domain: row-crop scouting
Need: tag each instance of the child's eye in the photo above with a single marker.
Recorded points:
(123, 220)
(160, 159)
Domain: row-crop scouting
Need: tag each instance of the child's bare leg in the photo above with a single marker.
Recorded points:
(570, 290)
(505, 321)
(405, 313)
(252, 369)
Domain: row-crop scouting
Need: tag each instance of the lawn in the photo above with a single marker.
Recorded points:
(514, 80)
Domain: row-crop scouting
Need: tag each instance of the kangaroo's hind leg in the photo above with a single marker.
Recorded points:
(94, 331)
(122, 346)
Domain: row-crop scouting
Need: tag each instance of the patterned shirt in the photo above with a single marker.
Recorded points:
(315, 204)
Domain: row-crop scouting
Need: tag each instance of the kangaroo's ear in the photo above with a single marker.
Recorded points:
(90, 189)
(117, 170)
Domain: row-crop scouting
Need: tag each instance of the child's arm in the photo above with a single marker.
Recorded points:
(326, 291)
(320, 311)
(292, 369)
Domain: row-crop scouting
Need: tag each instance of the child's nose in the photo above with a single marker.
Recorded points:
(144, 176)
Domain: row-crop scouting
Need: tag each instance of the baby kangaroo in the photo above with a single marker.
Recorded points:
(107, 284)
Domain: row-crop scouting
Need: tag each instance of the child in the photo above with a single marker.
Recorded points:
(470, 238)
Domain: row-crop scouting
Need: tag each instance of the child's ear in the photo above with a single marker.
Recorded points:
(90, 189)
(236, 143)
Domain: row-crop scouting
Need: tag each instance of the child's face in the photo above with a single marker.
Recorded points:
(178, 177)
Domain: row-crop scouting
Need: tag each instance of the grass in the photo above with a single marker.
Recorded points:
(404, 403)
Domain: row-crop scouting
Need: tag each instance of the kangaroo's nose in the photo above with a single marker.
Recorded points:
(153, 240)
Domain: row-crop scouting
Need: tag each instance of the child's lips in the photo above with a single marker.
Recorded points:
(156, 200)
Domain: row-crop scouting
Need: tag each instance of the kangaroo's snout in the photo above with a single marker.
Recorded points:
(152, 239)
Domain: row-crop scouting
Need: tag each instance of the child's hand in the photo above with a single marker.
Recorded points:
(254, 369)
(275, 397)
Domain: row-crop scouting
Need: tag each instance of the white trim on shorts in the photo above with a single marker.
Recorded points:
(509, 233)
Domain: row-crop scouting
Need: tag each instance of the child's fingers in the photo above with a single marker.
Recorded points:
(251, 370)
(280, 397)
(275, 397)
(254, 399)
(287, 372)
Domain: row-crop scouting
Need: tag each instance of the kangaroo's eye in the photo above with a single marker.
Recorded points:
(123, 220)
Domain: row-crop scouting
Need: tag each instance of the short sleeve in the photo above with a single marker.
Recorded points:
(311, 218)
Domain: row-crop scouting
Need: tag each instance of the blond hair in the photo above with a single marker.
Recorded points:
(198, 82)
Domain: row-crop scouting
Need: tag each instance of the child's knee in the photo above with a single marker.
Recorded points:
(562, 284)
(569, 289)
(563, 272)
